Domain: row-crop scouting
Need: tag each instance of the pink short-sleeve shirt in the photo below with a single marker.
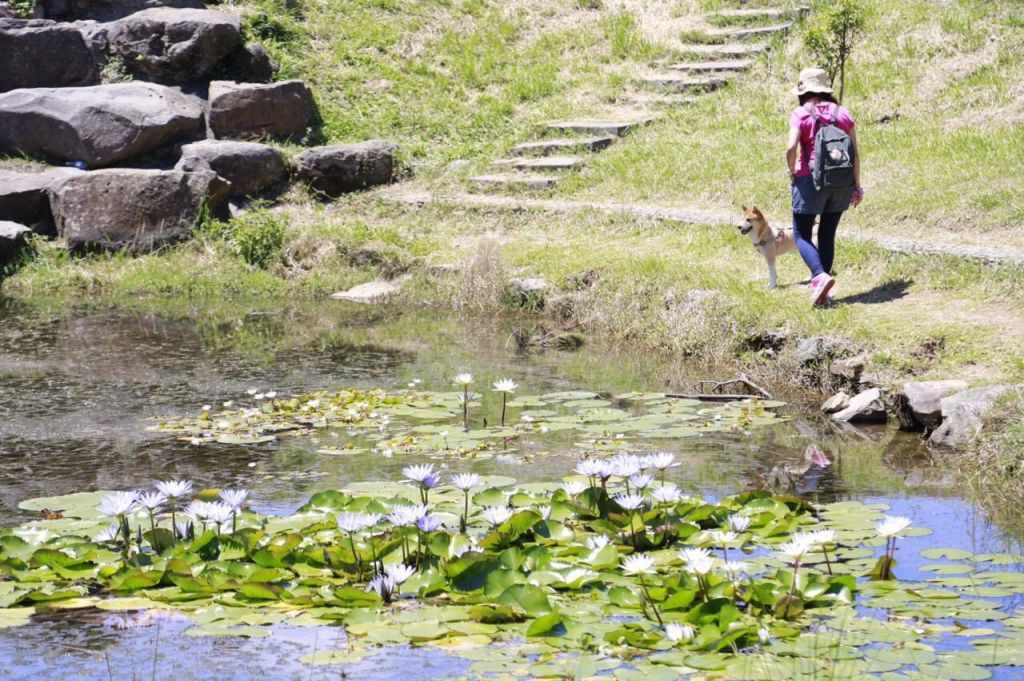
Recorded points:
(801, 118)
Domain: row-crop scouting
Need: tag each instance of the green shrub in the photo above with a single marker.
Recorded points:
(256, 237)
(836, 27)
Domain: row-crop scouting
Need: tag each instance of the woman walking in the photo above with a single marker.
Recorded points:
(818, 108)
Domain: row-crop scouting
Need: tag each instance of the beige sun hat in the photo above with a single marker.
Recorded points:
(813, 80)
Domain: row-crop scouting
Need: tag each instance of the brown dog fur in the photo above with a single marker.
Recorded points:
(768, 241)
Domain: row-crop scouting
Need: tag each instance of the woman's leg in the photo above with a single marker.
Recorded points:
(803, 227)
(827, 227)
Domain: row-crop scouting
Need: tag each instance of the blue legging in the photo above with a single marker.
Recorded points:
(817, 259)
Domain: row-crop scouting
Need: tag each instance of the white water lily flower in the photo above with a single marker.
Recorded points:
(698, 561)
(429, 523)
(795, 549)
(463, 379)
(372, 519)
(641, 480)
(626, 465)
(544, 511)
(151, 500)
(234, 498)
(739, 523)
(196, 510)
(251, 391)
(271, 395)
(399, 572)
(496, 515)
(207, 407)
(764, 635)
(218, 512)
(384, 586)
(630, 502)
(406, 515)
(110, 533)
(574, 487)
(669, 494)
(826, 536)
(596, 542)
(662, 460)
(676, 632)
(589, 467)
(352, 522)
(719, 537)
(118, 503)
(638, 564)
(506, 385)
(465, 481)
(891, 526)
(418, 473)
(175, 489)
(228, 403)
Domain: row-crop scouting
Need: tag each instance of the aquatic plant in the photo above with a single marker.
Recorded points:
(506, 387)
(464, 380)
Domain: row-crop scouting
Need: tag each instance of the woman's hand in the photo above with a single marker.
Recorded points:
(858, 196)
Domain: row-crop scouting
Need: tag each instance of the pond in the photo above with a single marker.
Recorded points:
(84, 389)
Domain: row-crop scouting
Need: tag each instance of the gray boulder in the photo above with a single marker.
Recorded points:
(836, 403)
(245, 110)
(919, 403)
(248, 166)
(132, 209)
(175, 45)
(100, 125)
(106, 10)
(963, 415)
(341, 168)
(39, 53)
(819, 350)
(12, 239)
(25, 197)
(865, 407)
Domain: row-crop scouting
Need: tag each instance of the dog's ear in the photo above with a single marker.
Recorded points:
(743, 208)
(757, 211)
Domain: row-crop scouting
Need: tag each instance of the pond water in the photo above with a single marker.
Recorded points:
(81, 386)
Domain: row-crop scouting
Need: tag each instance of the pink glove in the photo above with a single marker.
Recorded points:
(858, 196)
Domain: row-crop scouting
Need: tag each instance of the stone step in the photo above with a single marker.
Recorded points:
(600, 126)
(542, 163)
(664, 99)
(683, 83)
(563, 146)
(726, 50)
(514, 181)
(752, 14)
(749, 32)
(720, 66)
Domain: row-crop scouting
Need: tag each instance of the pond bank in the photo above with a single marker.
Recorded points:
(649, 286)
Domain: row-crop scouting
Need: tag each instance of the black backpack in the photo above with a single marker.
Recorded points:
(833, 154)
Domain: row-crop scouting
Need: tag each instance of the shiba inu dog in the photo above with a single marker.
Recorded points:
(769, 242)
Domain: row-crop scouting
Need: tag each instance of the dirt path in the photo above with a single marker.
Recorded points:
(1001, 256)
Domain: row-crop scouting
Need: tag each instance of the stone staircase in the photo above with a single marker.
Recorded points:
(704, 61)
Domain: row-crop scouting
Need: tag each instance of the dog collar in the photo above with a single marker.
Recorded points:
(763, 242)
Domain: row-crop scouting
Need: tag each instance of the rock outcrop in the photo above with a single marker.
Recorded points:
(335, 170)
(38, 53)
(25, 197)
(12, 240)
(919, 403)
(250, 64)
(106, 10)
(963, 415)
(131, 209)
(246, 110)
(249, 166)
(175, 45)
(99, 125)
